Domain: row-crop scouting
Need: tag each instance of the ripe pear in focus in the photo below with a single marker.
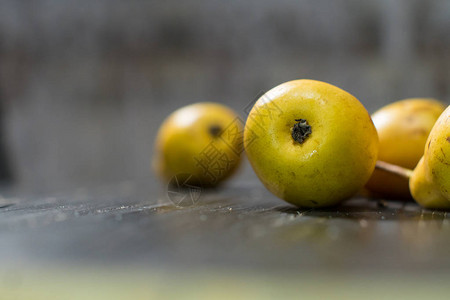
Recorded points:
(202, 141)
(430, 180)
(311, 143)
(403, 128)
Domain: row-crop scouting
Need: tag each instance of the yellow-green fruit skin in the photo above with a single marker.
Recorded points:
(185, 144)
(403, 128)
(334, 161)
(430, 180)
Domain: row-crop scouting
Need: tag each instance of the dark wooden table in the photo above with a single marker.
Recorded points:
(237, 240)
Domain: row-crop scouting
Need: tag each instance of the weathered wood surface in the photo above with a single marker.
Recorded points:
(239, 225)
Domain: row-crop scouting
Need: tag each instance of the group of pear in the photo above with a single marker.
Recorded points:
(314, 145)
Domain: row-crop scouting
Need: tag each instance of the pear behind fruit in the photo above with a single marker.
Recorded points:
(430, 180)
(403, 128)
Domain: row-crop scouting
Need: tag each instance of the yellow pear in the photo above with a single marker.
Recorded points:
(311, 143)
(201, 142)
(403, 128)
(430, 180)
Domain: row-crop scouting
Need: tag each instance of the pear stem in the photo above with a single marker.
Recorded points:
(393, 169)
(301, 130)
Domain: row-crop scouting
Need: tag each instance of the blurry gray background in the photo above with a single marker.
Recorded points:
(84, 85)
